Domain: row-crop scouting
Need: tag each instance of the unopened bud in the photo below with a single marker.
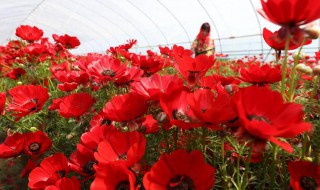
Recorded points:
(299, 56)
(316, 70)
(304, 69)
(33, 129)
(313, 32)
(70, 136)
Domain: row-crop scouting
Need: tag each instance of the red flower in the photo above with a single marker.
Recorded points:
(30, 165)
(278, 42)
(66, 184)
(50, 171)
(304, 175)
(2, 102)
(26, 100)
(212, 109)
(67, 41)
(149, 64)
(264, 117)
(180, 170)
(105, 69)
(125, 107)
(36, 143)
(212, 81)
(178, 110)
(156, 86)
(193, 69)
(15, 73)
(114, 176)
(129, 75)
(261, 75)
(74, 105)
(149, 125)
(128, 146)
(82, 160)
(67, 86)
(29, 33)
(290, 13)
(12, 146)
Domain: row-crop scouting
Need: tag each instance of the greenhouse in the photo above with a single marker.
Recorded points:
(159, 94)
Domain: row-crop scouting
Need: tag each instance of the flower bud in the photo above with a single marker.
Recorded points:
(313, 32)
(33, 129)
(70, 136)
(304, 69)
(316, 70)
(299, 56)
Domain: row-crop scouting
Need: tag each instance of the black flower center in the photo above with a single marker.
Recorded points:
(258, 118)
(34, 147)
(181, 183)
(180, 116)
(88, 168)
(123, 185)
(308, 183)
(108, 72)
(61, 173)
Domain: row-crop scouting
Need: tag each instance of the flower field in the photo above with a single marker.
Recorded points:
(162, 120)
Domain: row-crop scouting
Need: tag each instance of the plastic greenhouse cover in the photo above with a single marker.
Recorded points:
(99, 24)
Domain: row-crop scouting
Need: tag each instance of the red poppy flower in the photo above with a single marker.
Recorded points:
(290, 13)
(98, 120)
(2, 102)
(66, 184)
(36, 143)
(15, 73)
(115, 175)
(152, 88)
(28, 99)
(213, 109)
(125, 47)
(82, 160)
(304, 175)
(105, 69)
(129, 75)
(149, 64)
(179, 51)
(67, 41)
(128, 146)
(212, 81)
(193, 69)
(261, 75)
(74, 105)
(180, 170)
(29, 33)
(50, 171)
(278, 42)
(178, 110)
(30, 165)
(12, 146)
(92, 138)
(149, 125)
(67, 86)
(265, 117)
(125, 107)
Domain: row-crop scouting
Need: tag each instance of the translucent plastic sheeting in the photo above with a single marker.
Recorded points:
(99, 24)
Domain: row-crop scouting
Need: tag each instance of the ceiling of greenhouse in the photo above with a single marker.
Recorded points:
(99, 24)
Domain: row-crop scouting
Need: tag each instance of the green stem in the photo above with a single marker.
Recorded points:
(284, 65)
(273, 166)
(223, 167)
(247, 169)
(293, 73)
(165, 137)
(15, 123)
(204, 133)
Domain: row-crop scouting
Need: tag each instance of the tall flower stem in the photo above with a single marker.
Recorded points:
(284, 65)
(293, 74)
(223, 167)
(273, 166)
(247, 168)
(204, 133)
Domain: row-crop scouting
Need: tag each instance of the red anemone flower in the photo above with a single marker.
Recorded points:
(12, 146)
(193, 69)
(74, 105)
(2, 102)
(29, 33)
(277, 42)
(261, 75)
(82, 160)
(152, 88)
(115, 175)
(264, 117)
(36, 143)
(125, 107)
(290, 13)
(67, 86)
(212, 81)
(67, 41)
(15, 73)
(212, 109)
(178, 110)
(128, 146)
(180, 170)
(26, 100)
(129, 75)
(50, 171)
(66, 184)
(304, 175)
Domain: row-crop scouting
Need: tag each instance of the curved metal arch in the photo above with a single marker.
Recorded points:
(153, 22)
(259, 24)
(164, 6)
(109, 20)
(101, 2)
(214, 25)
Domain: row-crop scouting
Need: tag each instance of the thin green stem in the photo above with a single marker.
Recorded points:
(223, 167)
(204, 133)
(247, 168)
(273, 166)
(293, 73)
(284, 66)
(16, 123)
